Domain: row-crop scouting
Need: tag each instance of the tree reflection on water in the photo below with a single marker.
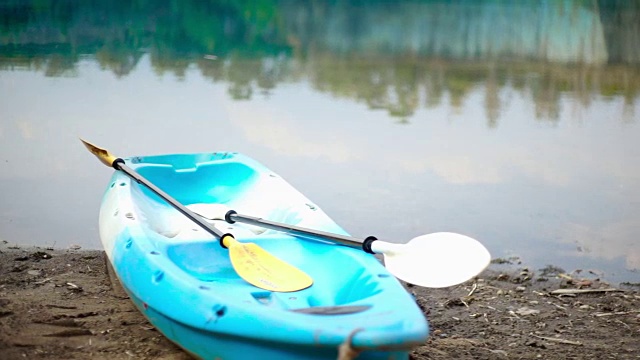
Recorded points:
(397, 58)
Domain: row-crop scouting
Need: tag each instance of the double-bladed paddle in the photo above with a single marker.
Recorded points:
(433, 260)
(252, 263)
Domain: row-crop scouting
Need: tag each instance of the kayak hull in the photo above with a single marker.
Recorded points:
(205, 346)
(182, 280)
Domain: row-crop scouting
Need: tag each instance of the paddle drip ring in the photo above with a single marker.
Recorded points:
(222, 240)
(228, 215)
(366, 244)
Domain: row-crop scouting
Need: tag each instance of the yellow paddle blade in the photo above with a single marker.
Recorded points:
(102, 154)
(261, 269)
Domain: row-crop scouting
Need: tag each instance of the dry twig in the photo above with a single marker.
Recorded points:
(582, 291)
(625, 324)
(475, 286)
(558, 340)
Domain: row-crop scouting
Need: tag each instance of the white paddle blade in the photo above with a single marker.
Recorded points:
(435, 260)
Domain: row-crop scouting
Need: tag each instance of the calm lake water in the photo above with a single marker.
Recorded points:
(516, 123)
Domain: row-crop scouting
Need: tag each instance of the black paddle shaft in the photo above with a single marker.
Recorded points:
(119, 164)
(232, 216)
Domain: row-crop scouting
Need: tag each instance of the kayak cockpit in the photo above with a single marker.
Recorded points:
(340, 277)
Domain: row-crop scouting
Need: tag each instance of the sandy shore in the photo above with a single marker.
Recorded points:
(63, 304)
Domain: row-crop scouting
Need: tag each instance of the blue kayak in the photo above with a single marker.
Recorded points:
(182, 280)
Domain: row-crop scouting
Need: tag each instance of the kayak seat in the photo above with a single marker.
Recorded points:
(202, 182)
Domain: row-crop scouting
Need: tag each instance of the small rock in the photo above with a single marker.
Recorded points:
(73, 287)
(524, 311)
(75, 247)
(499, 352)
(585, 307)
(500, 292)
(521, 289)
(536, 344)
(34, 272)
(584, 283)
(38, 255)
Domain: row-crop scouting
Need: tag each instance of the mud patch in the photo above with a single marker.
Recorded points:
(503, 314)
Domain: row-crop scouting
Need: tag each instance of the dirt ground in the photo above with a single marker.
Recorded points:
(62, 304)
